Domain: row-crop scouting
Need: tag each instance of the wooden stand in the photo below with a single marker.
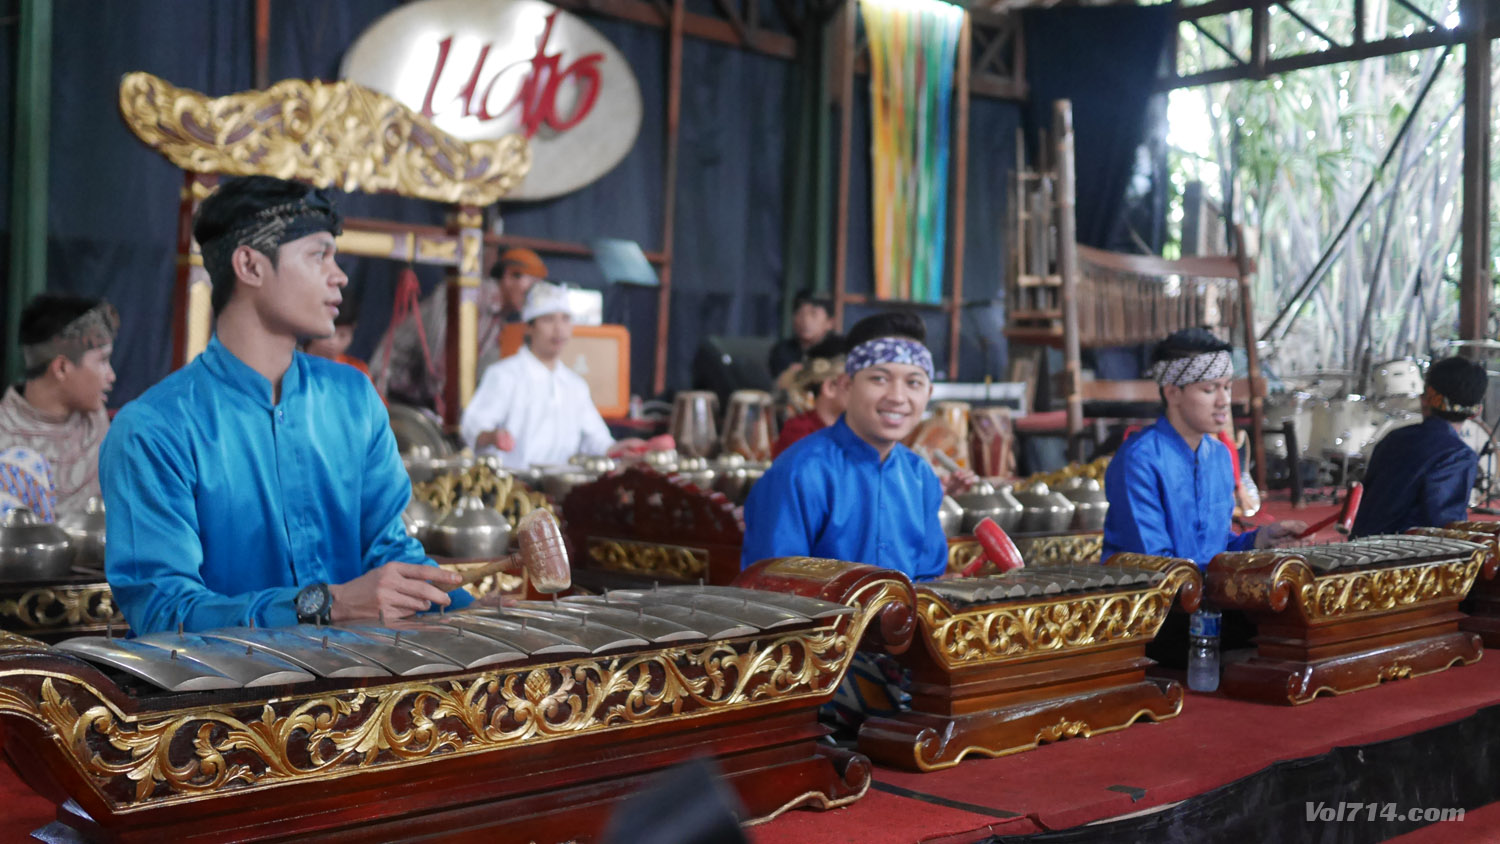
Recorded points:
(636, 526)
(537, 750)
(1002, 678)
(1483, 606)
(1347, 630)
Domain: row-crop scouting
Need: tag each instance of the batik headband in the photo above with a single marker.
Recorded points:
(888, 350)
(1184, 371)
(269, 228)
(1447, 405)
(92, 330)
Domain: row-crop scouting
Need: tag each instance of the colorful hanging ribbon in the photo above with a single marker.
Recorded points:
(913, 44)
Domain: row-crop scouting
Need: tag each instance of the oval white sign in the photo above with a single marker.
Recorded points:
(481, 69)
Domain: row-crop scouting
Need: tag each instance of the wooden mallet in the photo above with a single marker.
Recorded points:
(541, 554)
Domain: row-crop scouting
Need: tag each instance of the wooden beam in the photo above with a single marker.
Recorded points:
(669, 199)
(1475, 280)
(1335, 55)
(844, 64)
(704, 27)
(1067, 266)
(29, 166)
(260, 62)
(960, 184)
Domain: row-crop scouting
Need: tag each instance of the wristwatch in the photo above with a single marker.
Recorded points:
(315, 604)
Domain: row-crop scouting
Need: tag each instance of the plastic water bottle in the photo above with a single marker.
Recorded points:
(1203, 651)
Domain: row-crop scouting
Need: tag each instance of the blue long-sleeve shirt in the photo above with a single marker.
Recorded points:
(1419, 476)
(1168, 500)
(830, 495)
(221, 505)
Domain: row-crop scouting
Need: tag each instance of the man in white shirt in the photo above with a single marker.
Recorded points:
(530, 408)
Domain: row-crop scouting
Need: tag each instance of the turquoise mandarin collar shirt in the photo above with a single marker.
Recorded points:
(221, 504)
(830, 495)
(1169, 500)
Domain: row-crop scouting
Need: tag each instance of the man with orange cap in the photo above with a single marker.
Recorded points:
(416, 378)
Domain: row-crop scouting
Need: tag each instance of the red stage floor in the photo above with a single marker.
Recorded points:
(1213, 742)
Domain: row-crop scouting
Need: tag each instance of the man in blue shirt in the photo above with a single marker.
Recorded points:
(853, 491)
(259, 484)
(1171, 486)
(1421, 475)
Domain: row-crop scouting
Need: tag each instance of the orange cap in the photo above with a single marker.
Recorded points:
(524, 260)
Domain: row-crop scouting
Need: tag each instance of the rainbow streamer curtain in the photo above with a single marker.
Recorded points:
(912, 49)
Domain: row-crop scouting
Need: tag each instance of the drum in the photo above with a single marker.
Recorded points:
(749, 425)
(1294, 407)
(1402, 377)
(693, 426)
(1345, 427)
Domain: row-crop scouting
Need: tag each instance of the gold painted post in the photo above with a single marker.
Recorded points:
(463, 313)
(193, 303)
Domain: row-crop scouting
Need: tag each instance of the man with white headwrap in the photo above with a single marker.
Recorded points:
(1171, 486)
(530, 408)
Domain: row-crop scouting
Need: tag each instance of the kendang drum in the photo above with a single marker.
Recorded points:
(1397, 378)
(750, 424)
(693, 427)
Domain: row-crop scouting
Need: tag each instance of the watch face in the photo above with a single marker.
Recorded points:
(309, 601)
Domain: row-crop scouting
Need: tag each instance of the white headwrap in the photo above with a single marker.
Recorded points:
(1184, 371)
(545, 298)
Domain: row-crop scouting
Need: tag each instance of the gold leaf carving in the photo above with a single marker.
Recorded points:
(673, 562)
(337, 134)
(1063, 729)
(1382, 589)
(59, 608)
(179, 756)
(1006, 631)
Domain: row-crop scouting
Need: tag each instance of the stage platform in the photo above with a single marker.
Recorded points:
(1214, 742)
(1203, 757)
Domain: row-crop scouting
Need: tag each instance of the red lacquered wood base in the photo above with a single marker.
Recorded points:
(1000, 678)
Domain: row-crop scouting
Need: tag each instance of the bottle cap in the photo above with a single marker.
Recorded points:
(1204, 623)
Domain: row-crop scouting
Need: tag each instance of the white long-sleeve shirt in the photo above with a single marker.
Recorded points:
(548, 411)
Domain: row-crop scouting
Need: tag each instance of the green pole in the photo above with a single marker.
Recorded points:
(28, 206)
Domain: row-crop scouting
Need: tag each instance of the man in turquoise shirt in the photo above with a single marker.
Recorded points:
(259, 484)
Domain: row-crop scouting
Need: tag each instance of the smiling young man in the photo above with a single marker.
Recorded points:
(259, 484)
(530, 408)
(1170, 487)
(58, 410)
(852, 491)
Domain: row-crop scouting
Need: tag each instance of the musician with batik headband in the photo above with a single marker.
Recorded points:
(1421, 475)
(1171, 486)
(852, 491)
(58, 410)
(258, 484)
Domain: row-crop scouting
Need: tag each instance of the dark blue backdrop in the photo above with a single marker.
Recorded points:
(113, 202)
